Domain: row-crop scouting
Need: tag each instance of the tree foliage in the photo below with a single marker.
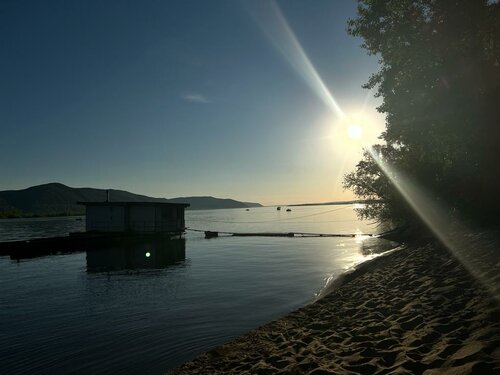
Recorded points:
(439, 80)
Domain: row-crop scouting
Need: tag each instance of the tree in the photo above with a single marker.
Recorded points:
(439, 79)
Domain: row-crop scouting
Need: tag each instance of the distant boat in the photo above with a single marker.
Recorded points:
(288, 209)
(248, 209)
(278, 208)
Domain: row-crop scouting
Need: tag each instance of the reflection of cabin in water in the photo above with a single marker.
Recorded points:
(135, 217)
(137, 253)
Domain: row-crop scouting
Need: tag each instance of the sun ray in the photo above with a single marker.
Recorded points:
(276, 27)
(452, 233)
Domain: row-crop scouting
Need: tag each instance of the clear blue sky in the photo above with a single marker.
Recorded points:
(176, 98)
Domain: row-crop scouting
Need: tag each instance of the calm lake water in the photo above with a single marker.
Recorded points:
(145, 307)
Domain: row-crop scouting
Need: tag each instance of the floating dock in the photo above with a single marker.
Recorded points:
(214, 234)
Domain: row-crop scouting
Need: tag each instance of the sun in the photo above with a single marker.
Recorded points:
(354, 131)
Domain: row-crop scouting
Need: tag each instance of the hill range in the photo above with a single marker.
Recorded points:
(58, 199)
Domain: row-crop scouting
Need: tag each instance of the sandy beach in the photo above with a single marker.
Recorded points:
(417, 310)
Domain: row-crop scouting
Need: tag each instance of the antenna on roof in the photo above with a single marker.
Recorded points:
(107, 195)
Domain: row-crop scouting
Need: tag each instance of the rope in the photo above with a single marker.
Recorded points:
(275, 220)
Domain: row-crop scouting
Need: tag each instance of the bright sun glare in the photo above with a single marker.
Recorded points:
(354, 131)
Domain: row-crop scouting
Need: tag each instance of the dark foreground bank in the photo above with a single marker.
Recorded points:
(418, 310)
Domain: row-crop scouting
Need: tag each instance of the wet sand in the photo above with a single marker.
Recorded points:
(417, 310)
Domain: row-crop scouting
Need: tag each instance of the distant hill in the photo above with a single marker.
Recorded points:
(56, 199)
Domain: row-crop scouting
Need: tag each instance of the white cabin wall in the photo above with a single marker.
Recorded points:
(105, 218)
(142, 219)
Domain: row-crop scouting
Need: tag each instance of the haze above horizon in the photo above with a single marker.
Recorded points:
(254, 101)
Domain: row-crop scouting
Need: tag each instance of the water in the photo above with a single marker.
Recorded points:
(147, 306)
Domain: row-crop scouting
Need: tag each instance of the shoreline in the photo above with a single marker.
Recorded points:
(55, 216)
(414, 310)
(356, 271)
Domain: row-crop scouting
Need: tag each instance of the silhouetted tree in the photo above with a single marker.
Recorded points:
(439, 80)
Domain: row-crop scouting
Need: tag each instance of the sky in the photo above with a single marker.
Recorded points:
(250, 100)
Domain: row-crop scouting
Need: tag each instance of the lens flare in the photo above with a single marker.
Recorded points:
(276, 27)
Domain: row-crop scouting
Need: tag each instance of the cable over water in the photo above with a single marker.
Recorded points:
(274, 220)
(391, 234)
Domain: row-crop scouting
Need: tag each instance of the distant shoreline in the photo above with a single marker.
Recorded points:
(7, 216)
(22, 215)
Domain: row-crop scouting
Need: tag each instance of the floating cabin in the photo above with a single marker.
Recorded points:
(106, 223)
(135, 217)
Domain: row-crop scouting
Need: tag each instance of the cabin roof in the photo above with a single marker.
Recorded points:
(169, 204)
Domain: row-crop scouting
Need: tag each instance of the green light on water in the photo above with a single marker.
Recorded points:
(148, 254)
